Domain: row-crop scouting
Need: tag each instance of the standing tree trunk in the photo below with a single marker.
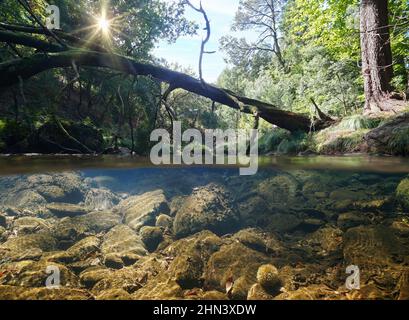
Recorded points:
(376, 50)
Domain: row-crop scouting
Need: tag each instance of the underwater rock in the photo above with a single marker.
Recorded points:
(257, 293)
(175, 204)
(60, 187)
(29, 225)
(34, 274)
(352, 219)
(240, 288)
(327, 240)
(233, 261)
(403, 286)
(208, 208)
(123, 241)
(70, 230)
(113, 261)
(66, 210)
(371, 247)
(80, 251)
(20, 293)
(151, 237)
(114, 294)
(346, 194)
(27, 199)
(11, 292)
(3, 221)
(268, 279)
(100, 200)
(189, 256)
(27, 246)
(180, 265)
(312, 292)
(279, 190)
(164, 221)
(93, 275)
(260, 241)
(187, 271)
(142, 210)
(402, 193)
(283, 222)
(369, 292)
(56, 294)
(125, 279)
(3, 233)
(253, 211)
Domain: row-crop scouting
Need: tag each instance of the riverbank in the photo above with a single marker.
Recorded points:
(356, 134)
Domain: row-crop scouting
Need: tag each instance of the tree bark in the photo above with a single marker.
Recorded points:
(377, 66)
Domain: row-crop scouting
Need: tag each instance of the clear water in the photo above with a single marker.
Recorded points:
(118, 228)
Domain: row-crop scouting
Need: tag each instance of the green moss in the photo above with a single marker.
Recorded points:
(402, 193)
(398, 143)
(283, 142)
(332, 142)
(357, 122)
(12, 132)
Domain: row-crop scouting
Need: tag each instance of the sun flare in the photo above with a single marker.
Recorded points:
(103, 24)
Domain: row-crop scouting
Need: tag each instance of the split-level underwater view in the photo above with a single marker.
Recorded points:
(205, 233)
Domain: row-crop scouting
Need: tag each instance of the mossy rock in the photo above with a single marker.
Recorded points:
(208, 208)
(30, 225)
(151, 237)
(27, 246)
(114, 294)
(122, 241)
(257, 293)
(34, 274)
(142, 210)
(233, 261)
(402, 194)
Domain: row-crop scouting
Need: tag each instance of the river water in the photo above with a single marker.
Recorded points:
(120, 228)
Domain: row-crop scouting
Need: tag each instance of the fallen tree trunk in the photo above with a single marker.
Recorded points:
(12, 72)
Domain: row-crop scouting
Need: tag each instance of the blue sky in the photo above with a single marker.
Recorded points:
(186, 50)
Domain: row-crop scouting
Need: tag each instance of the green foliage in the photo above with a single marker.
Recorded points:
(398, 143)
(281, 141)
(12, 132)
(358, 122)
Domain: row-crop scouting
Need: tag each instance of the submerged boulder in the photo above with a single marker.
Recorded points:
(66, 210)
(35, 273)
(142, 210)
(100, 199)
(208, 208)
(70, 230)
(124, 244)
(27, 247)
(29, 225)
(151, 237)
(230, 263)
(279, 190)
